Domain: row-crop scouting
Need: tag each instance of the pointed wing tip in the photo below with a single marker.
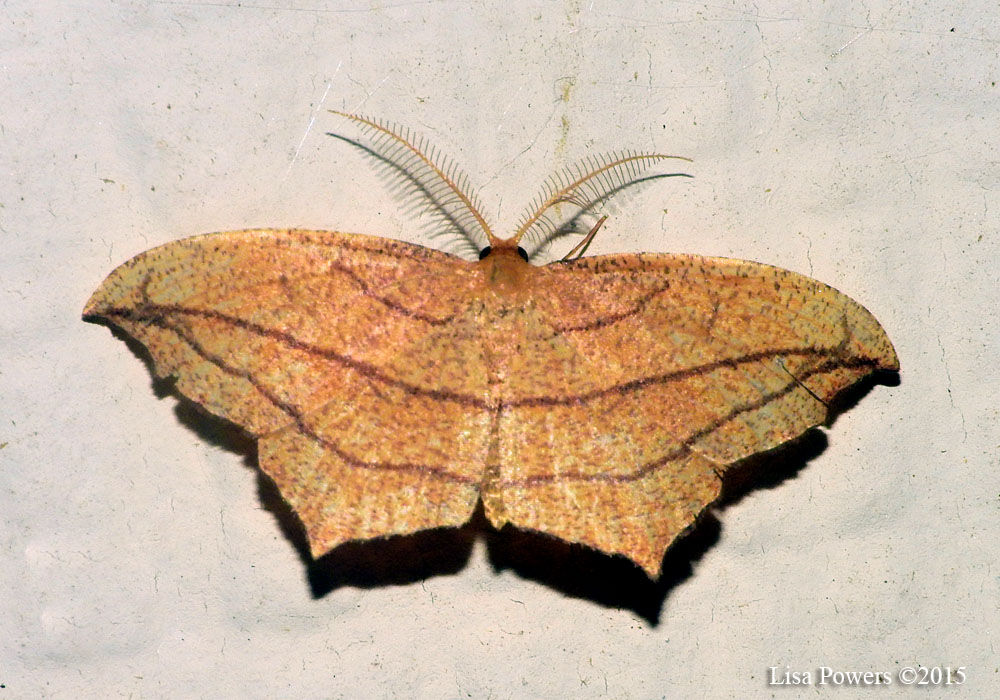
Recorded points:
(891, 361)
(881, 355)
(321, 541)
(318, 549)
(873, 340)
(650, 561)
(652, 569)
(94, 308)
(100, 303)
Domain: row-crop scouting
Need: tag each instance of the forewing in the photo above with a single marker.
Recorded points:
(648, 374)
(352, 358)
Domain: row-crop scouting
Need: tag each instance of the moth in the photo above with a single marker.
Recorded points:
(392, 387)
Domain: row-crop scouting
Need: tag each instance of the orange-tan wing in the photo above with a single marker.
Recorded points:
(638, 378)
(353, 359)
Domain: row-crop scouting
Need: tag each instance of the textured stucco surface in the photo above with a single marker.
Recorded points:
(853, 142)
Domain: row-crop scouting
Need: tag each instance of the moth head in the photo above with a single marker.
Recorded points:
(502, 248)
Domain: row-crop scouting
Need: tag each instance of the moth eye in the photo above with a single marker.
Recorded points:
(486, 251)
(520, 251)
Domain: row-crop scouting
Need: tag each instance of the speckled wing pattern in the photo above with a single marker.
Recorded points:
(391, 387)
(639, 378)
(347, 356)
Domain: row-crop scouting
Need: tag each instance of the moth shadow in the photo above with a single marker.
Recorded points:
(614, 581)
(397, 560)
(610, 581)
(574, 570)
(387, 561)
(766, 470)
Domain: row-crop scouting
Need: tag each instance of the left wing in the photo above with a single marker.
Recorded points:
(648, 375)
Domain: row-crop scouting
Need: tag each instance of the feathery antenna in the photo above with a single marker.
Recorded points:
(419, 167)
(584, 185)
